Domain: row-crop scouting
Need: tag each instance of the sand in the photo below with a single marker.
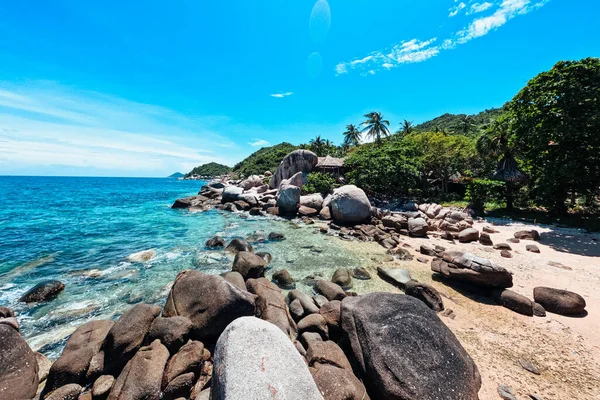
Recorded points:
(566, 350)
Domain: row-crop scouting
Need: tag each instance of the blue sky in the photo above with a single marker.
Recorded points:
(132, 88)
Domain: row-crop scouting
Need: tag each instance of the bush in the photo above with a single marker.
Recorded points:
(319, 182)
(481, 191)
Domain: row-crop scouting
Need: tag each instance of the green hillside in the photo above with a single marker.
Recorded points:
(176, 175)
(210, 169)
(265, 159)
(451, 123)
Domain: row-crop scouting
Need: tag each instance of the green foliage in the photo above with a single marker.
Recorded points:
(352, 136)
(385, 169)
(451, 123)
(265, 159)
(556, 129)
(319, 182)
(210, 169)
(482, 191)
(375, 126)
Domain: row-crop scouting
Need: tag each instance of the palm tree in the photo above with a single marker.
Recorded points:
(494, 143)
(375, 126)
(351, 136)
(406, 128)
(317, 145)
(466, 124)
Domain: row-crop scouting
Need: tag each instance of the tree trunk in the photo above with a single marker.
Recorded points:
(509, 196)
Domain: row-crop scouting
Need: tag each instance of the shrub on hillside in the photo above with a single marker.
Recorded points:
(319, 182)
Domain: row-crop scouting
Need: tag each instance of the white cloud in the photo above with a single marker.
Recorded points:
(415, 51)
(281, 95)
(456, 9)
(479, 7)
(259, 143)
(45, 124)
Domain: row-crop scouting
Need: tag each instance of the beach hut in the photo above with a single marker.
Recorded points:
(330, 165)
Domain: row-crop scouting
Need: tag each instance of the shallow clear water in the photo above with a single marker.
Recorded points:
(81, 230)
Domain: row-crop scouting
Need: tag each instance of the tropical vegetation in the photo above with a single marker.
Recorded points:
(210, 169)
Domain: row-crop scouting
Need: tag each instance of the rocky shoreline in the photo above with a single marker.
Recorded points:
(249, 339)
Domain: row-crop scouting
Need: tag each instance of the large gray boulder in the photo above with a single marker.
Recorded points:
(256, 360)
(82, 346)
(312, 201)
(142, 376)
(18, 366)
(231, 194)
(251, 182)
(349, 205)
(297, 179)
(209, 301)
(173, 332)
(467, 267)
(297, 161)
(418, 227)
(288, 199)
(403, 351)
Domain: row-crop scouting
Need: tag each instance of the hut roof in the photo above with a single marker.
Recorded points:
(330, 162)
(508, 171)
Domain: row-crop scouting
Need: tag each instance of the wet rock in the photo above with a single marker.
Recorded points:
(173, 332)
(305, 300)
(256, 360)
(255, 212)
(426, 293)
(18, 366)
(43, 291)
(330, 290)
(468, 235)
(468, 267)
(361, 274)
(237, 245)
(267, 257)
(532, 248)
(142, 256)
(349, 205)
(216, 241)
(187, 202)
(283, 279)
(276, 236)
(529, 366)
(314, 323)
(241, 205)
(142, 376)
(418, 227)
(270, 305)
(72, 365)
(249, 265)
(6, 312)
(528, 235)
(398, 277)
(67, 392)
(506, 392)
(343, 278)
(403, 351)
(236, 279)
(559, 301)
(188, 359)
(102, 386)
(515, 302)
(209, 301)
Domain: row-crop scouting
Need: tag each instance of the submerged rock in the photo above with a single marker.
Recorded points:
(283, 279)
(256, 360)
(142, 256)
(43, 291)
(236, 245)
(403, 351)
(216, 241)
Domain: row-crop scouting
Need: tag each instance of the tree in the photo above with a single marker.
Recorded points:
(556, 128)
(406, 128)
(495, 144)
(352, 136)
(317, 145)
(375, 126)
(465, 124)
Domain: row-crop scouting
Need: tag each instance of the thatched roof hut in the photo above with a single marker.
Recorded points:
(330, 165)
(508, 171)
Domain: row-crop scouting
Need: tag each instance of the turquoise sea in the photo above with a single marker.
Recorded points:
(81, 230)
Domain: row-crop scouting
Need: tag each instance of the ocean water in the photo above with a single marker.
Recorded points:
(81, 230)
